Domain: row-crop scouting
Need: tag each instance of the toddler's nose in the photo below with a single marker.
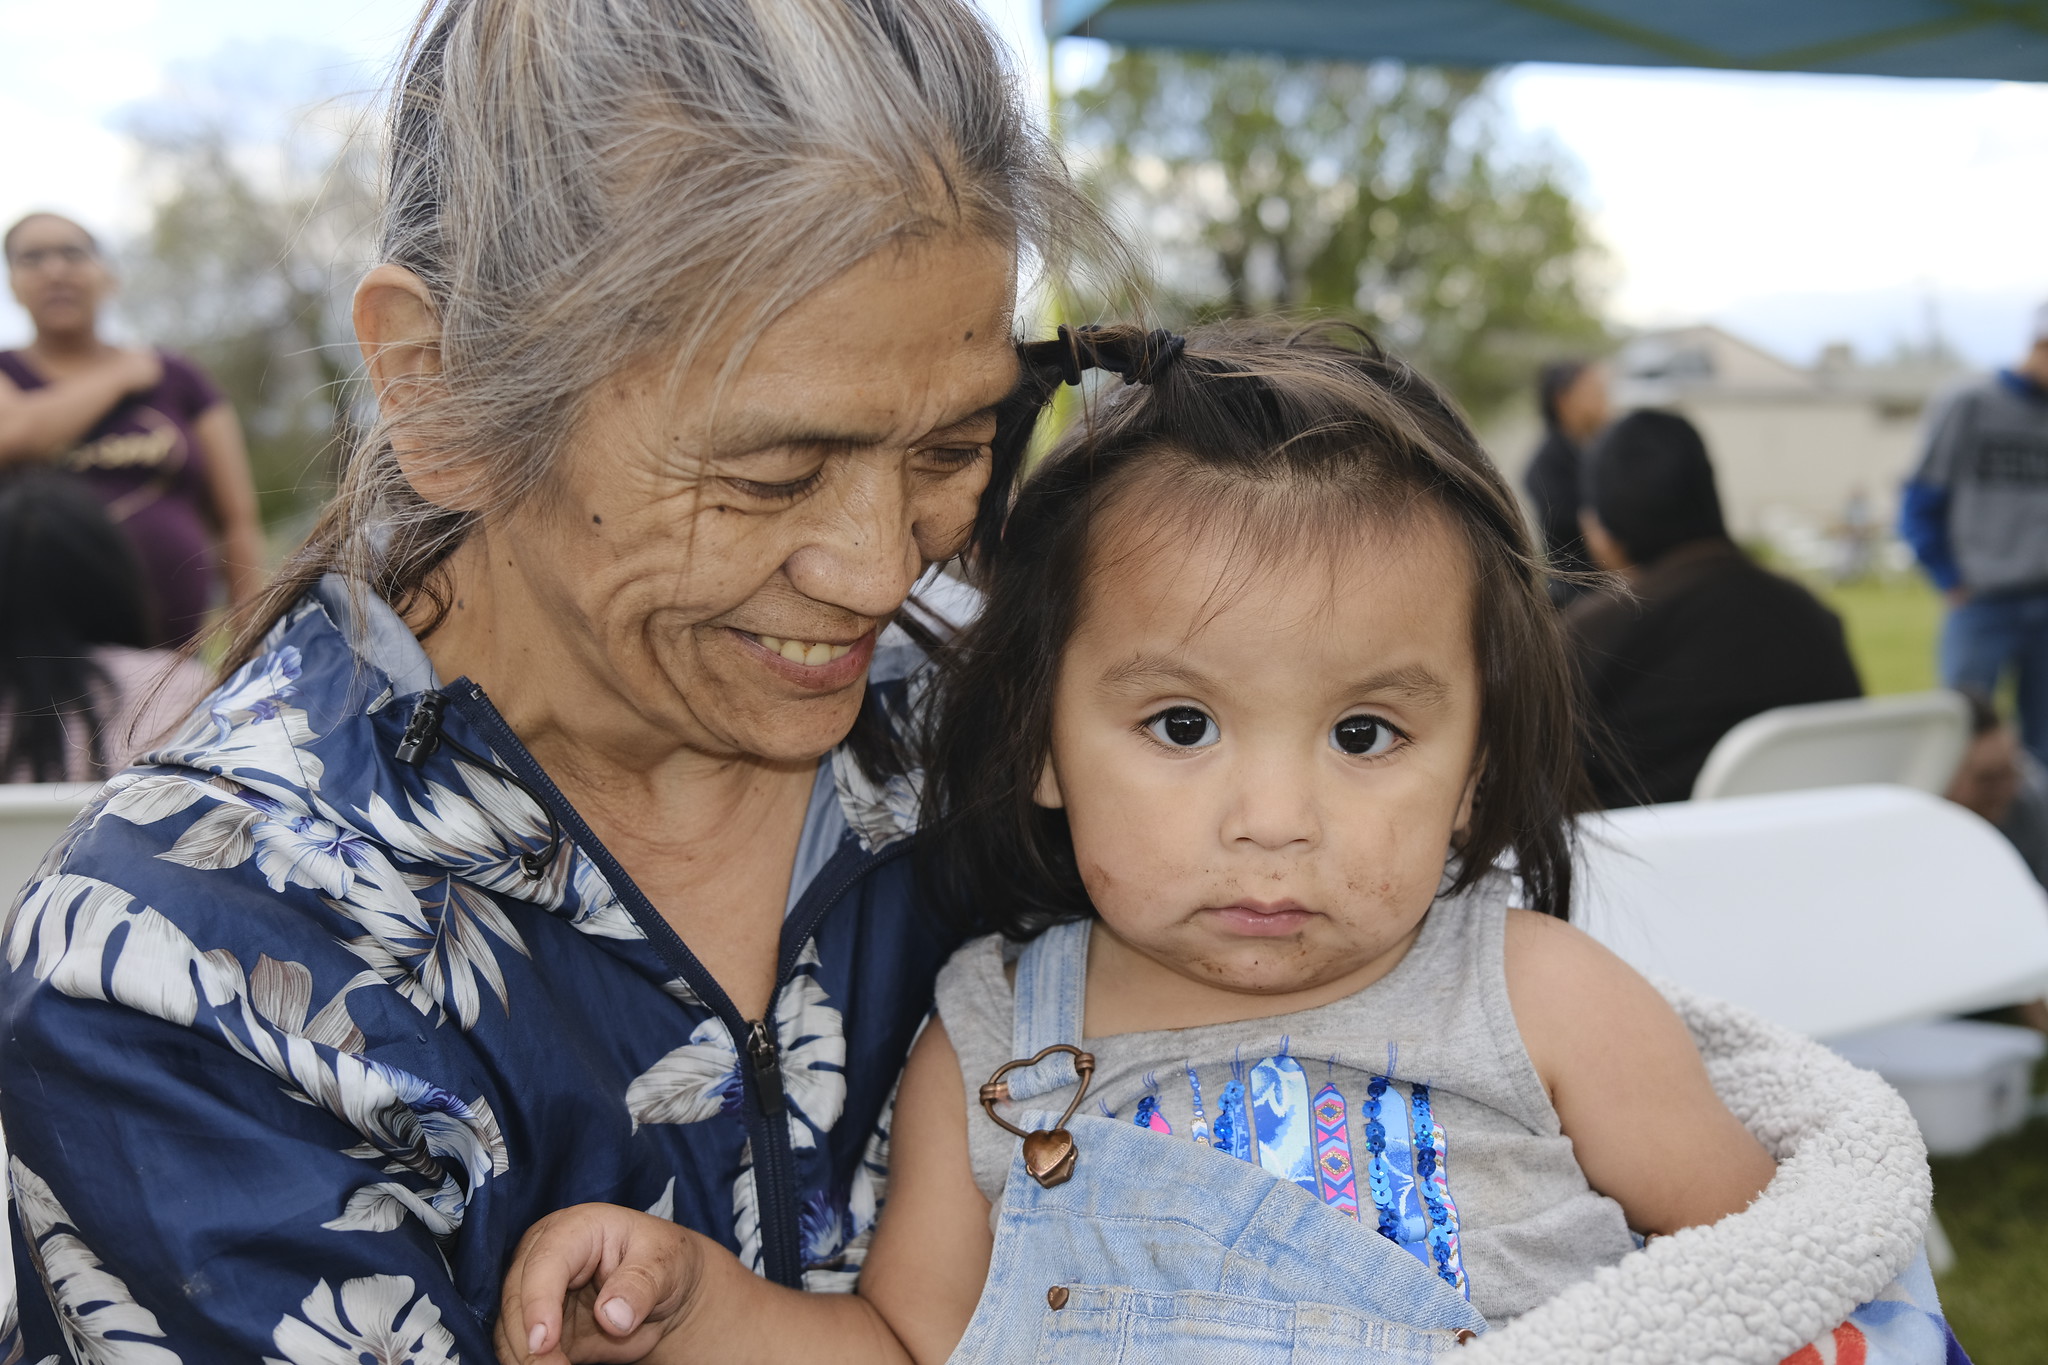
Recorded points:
(1273, 809)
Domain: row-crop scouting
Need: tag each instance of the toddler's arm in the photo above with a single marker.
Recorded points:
(931, 1252)
(603, 1283)
(1628, 1084)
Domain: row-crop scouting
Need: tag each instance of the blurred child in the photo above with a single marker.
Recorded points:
(80, 692)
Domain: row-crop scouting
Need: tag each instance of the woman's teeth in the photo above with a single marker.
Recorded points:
(803, 651)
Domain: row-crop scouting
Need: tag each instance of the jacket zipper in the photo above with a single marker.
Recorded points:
(765, 1103)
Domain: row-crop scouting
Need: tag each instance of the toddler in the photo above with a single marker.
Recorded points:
(1254, 776)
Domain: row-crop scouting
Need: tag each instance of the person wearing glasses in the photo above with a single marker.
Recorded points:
(148, 431)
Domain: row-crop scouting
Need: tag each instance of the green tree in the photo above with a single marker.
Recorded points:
(261, 213)
(1382, 194)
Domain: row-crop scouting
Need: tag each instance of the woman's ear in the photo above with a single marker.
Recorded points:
(399, 331)
(1047, 792)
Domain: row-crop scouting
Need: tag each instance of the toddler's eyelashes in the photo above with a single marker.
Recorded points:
(1364, 736)
(1183, 727)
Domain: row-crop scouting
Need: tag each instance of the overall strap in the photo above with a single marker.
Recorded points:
(1052, 977)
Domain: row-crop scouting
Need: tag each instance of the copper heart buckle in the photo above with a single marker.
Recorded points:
(1048, 1154)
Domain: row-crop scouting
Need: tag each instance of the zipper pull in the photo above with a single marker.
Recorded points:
(423, 732)
(767, 1065)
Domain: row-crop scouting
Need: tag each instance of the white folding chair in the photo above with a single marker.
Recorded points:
(1830, 911)
(1915, 740)
(1858, 915)
(32, 816)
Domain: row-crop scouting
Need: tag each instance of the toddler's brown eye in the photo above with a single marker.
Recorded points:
(1364, 736)
(1184, 728)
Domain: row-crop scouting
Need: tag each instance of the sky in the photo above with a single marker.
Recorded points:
(1795, 210)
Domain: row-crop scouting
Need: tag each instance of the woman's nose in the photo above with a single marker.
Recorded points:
(863, 556)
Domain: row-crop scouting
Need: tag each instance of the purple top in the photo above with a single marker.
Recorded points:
(145, 464)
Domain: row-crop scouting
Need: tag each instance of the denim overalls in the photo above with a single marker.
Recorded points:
(1170, 1251)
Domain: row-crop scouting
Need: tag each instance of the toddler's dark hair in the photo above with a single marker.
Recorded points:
(1297, 436)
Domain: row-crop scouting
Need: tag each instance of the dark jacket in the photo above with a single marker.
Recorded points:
(1555, 481)
(1709, 639)
(295, 1049)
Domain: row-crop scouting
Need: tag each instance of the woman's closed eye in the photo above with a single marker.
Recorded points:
(952, 457)
(1183, 727)
(787, 491)
(1364, 736)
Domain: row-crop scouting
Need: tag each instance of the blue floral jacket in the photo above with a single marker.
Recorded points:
(296, 1049)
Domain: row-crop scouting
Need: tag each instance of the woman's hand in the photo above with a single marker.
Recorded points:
(597, 1283)
(137, 368)
(40, 423)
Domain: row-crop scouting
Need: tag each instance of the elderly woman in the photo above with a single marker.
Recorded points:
(147, 431)
(544, 842)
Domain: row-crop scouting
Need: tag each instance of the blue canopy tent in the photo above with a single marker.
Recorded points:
(1984, 39)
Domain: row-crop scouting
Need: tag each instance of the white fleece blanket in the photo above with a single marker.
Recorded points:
(1838, 1226)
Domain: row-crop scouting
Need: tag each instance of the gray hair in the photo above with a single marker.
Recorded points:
(578, 182)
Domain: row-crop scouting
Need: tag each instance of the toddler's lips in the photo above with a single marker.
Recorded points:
(1262, 919)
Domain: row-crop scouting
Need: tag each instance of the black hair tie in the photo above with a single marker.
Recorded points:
(1088, 347)
(1071, 362)
(1162, 348)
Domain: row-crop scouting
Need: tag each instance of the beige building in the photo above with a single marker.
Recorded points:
(1792, 446)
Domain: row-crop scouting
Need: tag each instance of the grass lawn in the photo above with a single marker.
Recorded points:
(1994, 1204)
(1893, 624)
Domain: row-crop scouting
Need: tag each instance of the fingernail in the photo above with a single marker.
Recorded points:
(535, 1335)
(618, 1315)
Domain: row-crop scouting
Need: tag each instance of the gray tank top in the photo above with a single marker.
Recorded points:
(1411, 1105)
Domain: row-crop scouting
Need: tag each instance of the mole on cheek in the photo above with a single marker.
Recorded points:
(596, 520)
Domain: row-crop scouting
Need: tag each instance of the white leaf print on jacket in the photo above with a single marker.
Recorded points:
(248, 732)
(145, 798)
(447, 1146)
(375, 1320)
(429, 936)
(837, 1240)
(879, 814)
(701, 1078)
(67, 921)
(92, 1302)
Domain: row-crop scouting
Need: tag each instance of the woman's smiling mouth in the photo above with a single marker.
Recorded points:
(815, 665)
(809, 652)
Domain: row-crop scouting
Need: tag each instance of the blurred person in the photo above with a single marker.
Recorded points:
(1573, 397)
(147, 430)
(80, 691)
(2001, 781)
(1859, 536)
(1976, 514)
(1702, 637)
